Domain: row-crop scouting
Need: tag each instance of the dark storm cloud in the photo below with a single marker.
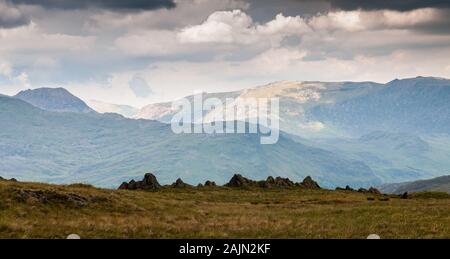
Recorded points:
(106, 4)
(11, 17)
(398, 5)
(11, 22)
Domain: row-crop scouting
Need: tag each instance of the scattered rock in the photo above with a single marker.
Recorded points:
(404, 196)
(48, 196)
(374, 191)
(362, 190)
(371, 190)
(347, 188)
(210, 184)
(148, 183)
(370, 198)
(277, 183)
(180, 184)
(11, 180)
(238, 181)
(384, 199)
(309, 183)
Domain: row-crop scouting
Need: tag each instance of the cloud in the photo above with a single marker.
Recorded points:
(398, 5)
(11, 16)
(140, 87)
(6, 70)
(14, 78)
(186, 12)
(31, 39)
(105, 4)
(150, 43)
(234, 35)
(377, 20)
(238, 27)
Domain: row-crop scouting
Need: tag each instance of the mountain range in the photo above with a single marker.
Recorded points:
(343, 133)
(438, 184)
(107, 149)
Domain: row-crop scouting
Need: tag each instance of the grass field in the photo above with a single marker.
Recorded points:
(30, 210)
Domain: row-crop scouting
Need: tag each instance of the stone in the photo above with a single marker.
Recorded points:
(210, 184)
(148, 183)
(179, 184)
(404, 196)
(238, 181)
(309, 183)
(373, 190)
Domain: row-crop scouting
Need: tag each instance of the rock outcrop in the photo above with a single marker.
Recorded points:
(238, 181)
(148, 183)
(11, 180)
(309, 183)
(179, 184)
(277, 183)
(210, 184)
(371, 190)
(404, 196)
(347, 188)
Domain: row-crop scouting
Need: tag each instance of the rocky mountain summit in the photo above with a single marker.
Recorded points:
(54, 99)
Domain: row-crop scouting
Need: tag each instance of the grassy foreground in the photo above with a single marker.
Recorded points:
(29, 210)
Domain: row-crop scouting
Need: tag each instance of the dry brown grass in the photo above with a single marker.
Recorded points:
(217, 213)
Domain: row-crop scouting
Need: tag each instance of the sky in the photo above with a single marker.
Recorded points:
(146, 51)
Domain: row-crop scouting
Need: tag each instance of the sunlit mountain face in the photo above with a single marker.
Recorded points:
(87, 89)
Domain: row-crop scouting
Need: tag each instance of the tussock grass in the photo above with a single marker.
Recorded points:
(215, 213)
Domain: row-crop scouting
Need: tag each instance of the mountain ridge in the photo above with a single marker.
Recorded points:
(438, 184)
(92, 148)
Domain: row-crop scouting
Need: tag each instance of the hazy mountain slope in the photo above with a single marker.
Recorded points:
(54, 99)
(394, 157)
(439, 184)
(296, 99)
(102, 107)
(400, 130)
(163, 111)
(108, 149)
(418, 105)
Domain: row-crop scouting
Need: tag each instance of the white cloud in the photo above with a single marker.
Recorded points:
(360, 20)
(6, 70)
(220, 27)
(14, 80)
(238, 27)
(32, 38)
(22, 79)
(186, 12)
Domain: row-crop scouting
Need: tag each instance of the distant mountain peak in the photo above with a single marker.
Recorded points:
(102, 107)
(54, 99)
